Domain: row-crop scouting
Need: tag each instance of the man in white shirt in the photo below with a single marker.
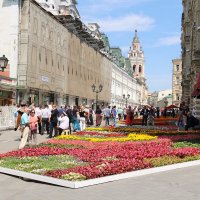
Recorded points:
(64, 122)
(46, 115)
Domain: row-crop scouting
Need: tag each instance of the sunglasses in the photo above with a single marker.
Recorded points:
(32, 112)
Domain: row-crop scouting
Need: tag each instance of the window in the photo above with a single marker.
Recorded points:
(134, 67)
(177, 80)
(140, 69)
(177, 67)
(40, 57)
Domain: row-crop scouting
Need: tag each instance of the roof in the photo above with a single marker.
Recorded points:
(136, 39)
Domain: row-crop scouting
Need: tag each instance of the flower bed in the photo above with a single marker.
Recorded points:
(88, 155)
(158, 121)
(145, 130)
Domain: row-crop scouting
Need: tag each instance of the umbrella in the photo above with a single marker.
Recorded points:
(171, 107)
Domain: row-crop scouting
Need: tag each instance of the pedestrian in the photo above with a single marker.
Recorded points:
(33, 120)
(70, 116)
(53, 121)
(114, 115)
(24, 128)
(38, 113)
(19, 114)
(173, 113)
(98, 116)
(91, 112)
(87, 119)
(158, 112)
(63, 122)
(144, 113)
(46, 115)
(107, 113)
(181, 122)
(82, 114)
(192, 122)
(119, 113)
(76, 119)
(129, 116)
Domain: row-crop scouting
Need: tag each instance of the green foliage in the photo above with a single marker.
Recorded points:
(58, 145)
(73, 177)
(39, 165)
(169, 160)
(191, 143)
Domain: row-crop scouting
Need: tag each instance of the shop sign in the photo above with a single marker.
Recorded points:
(45, 79)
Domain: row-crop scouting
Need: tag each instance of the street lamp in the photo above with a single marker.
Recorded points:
(126, 98)
(3, 63)
(97, 91)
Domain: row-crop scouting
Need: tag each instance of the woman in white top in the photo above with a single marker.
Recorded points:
(64, 123)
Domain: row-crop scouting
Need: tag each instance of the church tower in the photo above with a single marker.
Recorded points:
(136, 56)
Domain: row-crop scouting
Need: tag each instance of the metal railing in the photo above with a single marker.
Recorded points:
(7, 117)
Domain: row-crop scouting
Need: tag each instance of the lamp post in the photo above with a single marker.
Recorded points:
(97, 90)
(126, 98)
(3, 63)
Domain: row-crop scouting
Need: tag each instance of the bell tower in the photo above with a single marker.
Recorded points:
(136, 56)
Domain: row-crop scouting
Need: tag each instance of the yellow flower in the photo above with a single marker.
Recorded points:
(130, 137)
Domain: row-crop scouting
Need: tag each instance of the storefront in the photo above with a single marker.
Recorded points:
(6, 98)
(7, 91)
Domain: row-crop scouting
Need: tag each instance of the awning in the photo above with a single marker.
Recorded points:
(171, 106)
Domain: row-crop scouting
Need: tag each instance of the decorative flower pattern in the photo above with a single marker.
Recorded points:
(100, 152)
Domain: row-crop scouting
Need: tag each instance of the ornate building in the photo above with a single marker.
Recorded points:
(56, 58)
(127, 88)
(191, 55)
(176, 82)
(136, 57)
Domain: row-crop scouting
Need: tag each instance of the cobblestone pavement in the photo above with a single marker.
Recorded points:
(182, 184)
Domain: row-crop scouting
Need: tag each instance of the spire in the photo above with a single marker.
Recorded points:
(136, 39)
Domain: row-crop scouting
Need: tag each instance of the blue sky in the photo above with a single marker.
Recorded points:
(159, 28)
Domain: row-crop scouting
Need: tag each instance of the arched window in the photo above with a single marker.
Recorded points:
(140, 69)
(134, 67)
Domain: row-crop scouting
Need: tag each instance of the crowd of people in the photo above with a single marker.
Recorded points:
(187, 121)
(54, 121)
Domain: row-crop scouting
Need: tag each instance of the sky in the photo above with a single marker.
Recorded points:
(159, 29)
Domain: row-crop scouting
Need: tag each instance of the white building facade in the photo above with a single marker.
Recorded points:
(137, 60)
(56, 58)
(124, 84)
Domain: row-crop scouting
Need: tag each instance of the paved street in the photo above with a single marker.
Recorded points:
(182, 184)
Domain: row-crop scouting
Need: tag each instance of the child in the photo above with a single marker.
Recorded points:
(150, 120)
(33, 127)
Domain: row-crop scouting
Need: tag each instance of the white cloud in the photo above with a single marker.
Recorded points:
(169, 41)
(125, 50)
(125, 23)
(109, 5)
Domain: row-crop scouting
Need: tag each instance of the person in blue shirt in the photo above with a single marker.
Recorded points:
(24, 127)
(114, 115)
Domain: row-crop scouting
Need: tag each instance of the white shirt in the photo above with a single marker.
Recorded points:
(38, 112)
(64, 122)
(46, 113)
